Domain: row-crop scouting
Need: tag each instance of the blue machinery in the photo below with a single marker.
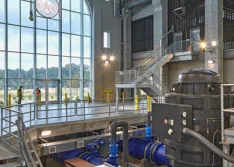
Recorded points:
(140, 148)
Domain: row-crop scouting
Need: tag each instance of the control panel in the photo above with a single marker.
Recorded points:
(168, 120)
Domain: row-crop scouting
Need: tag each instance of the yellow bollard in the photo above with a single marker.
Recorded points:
(123, 96)
(65, 100)
(149, 101)
(9, 100)
(107, 97)
(137, 103)
(89, 100)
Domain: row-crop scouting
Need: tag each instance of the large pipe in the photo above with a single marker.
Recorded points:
(114, 127)
(146, 148)
(208, 144)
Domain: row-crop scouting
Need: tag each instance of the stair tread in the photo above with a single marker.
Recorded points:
(6, 152)
(13, 164)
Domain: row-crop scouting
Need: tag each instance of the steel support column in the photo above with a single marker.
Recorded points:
(214, 32)
(82, 53)
(35, 51)
(60, 95)
(6, 55)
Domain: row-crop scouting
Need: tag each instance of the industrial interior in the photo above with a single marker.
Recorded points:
(117, 83)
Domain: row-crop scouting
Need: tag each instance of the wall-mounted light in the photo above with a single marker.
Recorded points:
(210, 61)
(46, 133)
(104, 57)
(203, 45)
(213, 43)
(112, 58)
(106, 62)
(107, 59)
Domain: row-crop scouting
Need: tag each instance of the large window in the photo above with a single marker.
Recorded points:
(142, 35)
(40, 49)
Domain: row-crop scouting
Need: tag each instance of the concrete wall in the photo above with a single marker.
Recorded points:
(104, 20)
(228, 70)
(174, 69)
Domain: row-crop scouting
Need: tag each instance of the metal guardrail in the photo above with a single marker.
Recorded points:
(62, 110)
(228, 45)
(13, 121)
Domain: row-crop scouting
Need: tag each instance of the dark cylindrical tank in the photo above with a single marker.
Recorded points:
(201, 89)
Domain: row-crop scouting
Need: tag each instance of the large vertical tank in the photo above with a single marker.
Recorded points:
(199, 88)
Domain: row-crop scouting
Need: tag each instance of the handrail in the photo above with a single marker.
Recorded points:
(24, 128)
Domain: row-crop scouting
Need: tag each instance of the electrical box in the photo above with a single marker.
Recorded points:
(168, 120)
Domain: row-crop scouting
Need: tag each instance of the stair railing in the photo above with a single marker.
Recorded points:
(23, 147)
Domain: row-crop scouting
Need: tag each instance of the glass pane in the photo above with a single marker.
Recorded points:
(2, 37)
(26, 65)
(27, 90)
(66, 88)
(87, 25)
(41, 23)
(75, 46)
(66, 45)
(53, 64)
(87, 47)
(27, 40)
(41, 66)
(75, 23)
(13, 65)
(2, 65)
(13, 85)
(2, 11)
(13, 38)
(75, 5)
(87, 88)
(66, 4)
(66, 68)
(25, 8)
(106, 40)
(87, 69)
(53, 25)
(41, 41)
(75, 68)
(13, 11)
(2, 92)
(53, 42)
(85, 7)
(66, 21)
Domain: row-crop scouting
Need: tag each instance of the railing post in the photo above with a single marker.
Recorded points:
(30, 110)
(84, 110)
(47, 114)
(109, 109)
(76, 107)
(66, 112)
(1, 121)
(10, 127)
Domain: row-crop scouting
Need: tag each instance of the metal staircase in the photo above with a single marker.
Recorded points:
(17, 148)
(143, 75)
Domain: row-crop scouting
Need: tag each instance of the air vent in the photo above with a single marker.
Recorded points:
(80, 144)
(52, 149)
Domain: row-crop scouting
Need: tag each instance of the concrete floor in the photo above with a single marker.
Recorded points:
(59, 113)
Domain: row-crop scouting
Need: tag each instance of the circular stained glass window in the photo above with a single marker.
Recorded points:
(47, 8)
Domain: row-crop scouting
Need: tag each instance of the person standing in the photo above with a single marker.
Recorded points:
(38, 96)
(19, 95)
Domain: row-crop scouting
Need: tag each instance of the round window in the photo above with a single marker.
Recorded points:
(47, 8)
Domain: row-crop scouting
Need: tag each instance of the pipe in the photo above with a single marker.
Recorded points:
(146, 148)
(113, 147)
(114, 127)
(208, 144)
